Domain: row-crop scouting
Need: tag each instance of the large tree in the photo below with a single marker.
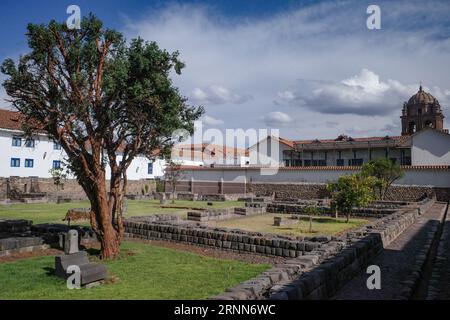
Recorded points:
(105, 101)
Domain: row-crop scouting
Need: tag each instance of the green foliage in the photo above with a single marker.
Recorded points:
(59, 176)
(172, 174)
(352, 191)
(91, 85)
(160, 186)
(385, 171)
(99, 96)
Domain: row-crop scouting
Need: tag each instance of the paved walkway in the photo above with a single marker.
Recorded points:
(395, 261)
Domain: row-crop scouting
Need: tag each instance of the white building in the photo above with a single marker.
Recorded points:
(424, 141)
(430, 147)
(35, 157)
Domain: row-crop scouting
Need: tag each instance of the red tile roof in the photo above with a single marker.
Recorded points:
(287, 142)
(350, 139)
(331, 168)
(10, 120)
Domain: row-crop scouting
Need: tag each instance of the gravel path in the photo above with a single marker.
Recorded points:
(395, 261)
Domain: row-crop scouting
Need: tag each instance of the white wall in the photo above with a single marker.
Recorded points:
(430, 147)
(425, 177)
(259, 152)
(43, 155)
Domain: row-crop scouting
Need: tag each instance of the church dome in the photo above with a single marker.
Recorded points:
(422, 97)
(421, 111)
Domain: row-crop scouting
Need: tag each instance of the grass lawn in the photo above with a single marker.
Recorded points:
(264, 223)
(143, 271)
(52, 212)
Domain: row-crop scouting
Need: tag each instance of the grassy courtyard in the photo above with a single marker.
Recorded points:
(52, 212)
(264, 223)
(143, 271)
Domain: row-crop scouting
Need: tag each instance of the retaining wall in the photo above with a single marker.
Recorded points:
(20, 187)
(320, 273)
(221, 238)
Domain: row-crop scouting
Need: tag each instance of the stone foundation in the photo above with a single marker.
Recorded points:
(221, 238)
(34, 189)
(321, 272)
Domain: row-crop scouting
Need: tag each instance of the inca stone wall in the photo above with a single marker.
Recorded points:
(19, 187)
(301, 190)
(227, 239)
(321, 272)
(318, 191)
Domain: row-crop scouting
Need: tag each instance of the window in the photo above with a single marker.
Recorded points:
(340, 162)
(56, 146)
(15, 162)
(29, 143)
(150, 168)
(307, 163)
(393, 160)
(355, 162)
(287, 163)
(29, 163)
(16, 142)
(56, 164)
(406, 161)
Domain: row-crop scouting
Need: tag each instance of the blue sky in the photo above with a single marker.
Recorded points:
(15, 15)
(310, 68)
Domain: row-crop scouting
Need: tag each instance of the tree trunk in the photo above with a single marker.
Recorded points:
(103, 223)
(110, 244)
(173, 193)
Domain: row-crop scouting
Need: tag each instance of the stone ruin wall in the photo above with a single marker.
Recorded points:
(16, 187)
(301, 190)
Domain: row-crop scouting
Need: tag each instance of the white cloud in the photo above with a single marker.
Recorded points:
(361, 94)
(211, 121)
(276, 118)
(217, 94)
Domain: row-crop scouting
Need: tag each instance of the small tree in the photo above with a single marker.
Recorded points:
(59, 179)
(172, 174)
(351, 191)
(311, 211)
(386, 172)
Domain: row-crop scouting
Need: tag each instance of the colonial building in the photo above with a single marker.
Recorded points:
(424, 141)
(34, 157)
(205, 154)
